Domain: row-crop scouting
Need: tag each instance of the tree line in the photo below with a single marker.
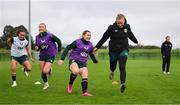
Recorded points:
(9, 32)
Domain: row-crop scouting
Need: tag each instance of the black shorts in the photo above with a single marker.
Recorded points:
(80, 64)
(47, 58)
(21, 59)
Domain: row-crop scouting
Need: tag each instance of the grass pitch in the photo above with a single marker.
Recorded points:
(145, 85)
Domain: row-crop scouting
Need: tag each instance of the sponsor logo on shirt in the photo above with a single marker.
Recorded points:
(42, 41)
(84, 54)
(86, 48)
(44, 47)
(21, 43)
(20, 48)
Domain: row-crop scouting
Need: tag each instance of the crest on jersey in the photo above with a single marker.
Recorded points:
(125, 30)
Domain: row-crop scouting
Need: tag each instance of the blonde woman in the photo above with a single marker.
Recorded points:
(118, 33)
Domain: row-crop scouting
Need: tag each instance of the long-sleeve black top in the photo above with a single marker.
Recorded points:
(166, 48)
(118, 38)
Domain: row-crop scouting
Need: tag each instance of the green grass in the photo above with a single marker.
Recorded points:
(145, 85)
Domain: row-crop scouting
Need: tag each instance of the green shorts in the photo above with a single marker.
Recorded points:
(21, 59)
(47, 58)
(113, 56)
(80, 64)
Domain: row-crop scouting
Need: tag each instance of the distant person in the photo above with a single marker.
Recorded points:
(166, 48)
(19, 54)
(46, 44)
(118, 33)
(81, 49)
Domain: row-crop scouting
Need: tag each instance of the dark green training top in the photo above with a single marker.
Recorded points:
(118, 38)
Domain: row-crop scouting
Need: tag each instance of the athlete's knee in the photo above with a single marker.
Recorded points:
(45, 71)
(75, 72)
(112, 67)
(28, 68)
(13, 68)
(84, 75)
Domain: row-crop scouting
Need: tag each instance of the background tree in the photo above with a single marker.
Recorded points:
(9, 32)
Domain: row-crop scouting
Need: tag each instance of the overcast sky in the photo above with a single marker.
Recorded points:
(150, 20)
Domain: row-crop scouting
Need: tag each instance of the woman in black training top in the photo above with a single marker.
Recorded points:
(119, 33)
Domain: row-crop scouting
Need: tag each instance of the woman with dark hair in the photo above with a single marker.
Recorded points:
(19, 53)
(81, 48)
(118, 33)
